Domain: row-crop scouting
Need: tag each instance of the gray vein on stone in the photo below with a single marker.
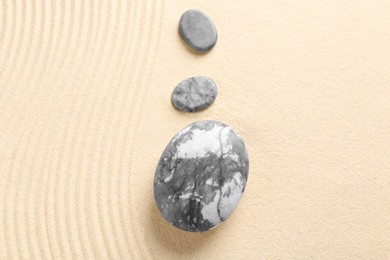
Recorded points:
(220, 173)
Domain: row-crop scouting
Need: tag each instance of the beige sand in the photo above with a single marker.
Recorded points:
(85, 113)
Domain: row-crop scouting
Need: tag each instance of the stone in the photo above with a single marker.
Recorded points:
(201, 176)
(198, 30)
(194, 94)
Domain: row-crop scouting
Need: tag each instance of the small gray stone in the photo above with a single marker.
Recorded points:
(201, 176)
(198, 30)
(194, 94)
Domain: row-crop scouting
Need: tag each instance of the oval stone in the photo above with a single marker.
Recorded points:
(198, 30)
(194, 94)
(201, 176)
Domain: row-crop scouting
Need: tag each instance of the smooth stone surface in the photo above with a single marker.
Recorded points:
(194, 94)
(198, 30)
(201, 176)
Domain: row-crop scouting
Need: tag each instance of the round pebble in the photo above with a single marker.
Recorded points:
(194, 94)
(198, 30)
(201, 176)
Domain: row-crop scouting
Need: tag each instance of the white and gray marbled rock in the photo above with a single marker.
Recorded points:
(201, 176)
(198, 30)
(194, 94)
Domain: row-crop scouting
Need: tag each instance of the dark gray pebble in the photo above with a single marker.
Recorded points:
(194, 94)
(201, 176)
(198, 30)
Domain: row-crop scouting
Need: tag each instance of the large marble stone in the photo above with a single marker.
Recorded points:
(194, 94)
(198, 30)
(201, 176)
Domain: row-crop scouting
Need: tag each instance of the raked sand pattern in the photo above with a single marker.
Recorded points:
(69, 112)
